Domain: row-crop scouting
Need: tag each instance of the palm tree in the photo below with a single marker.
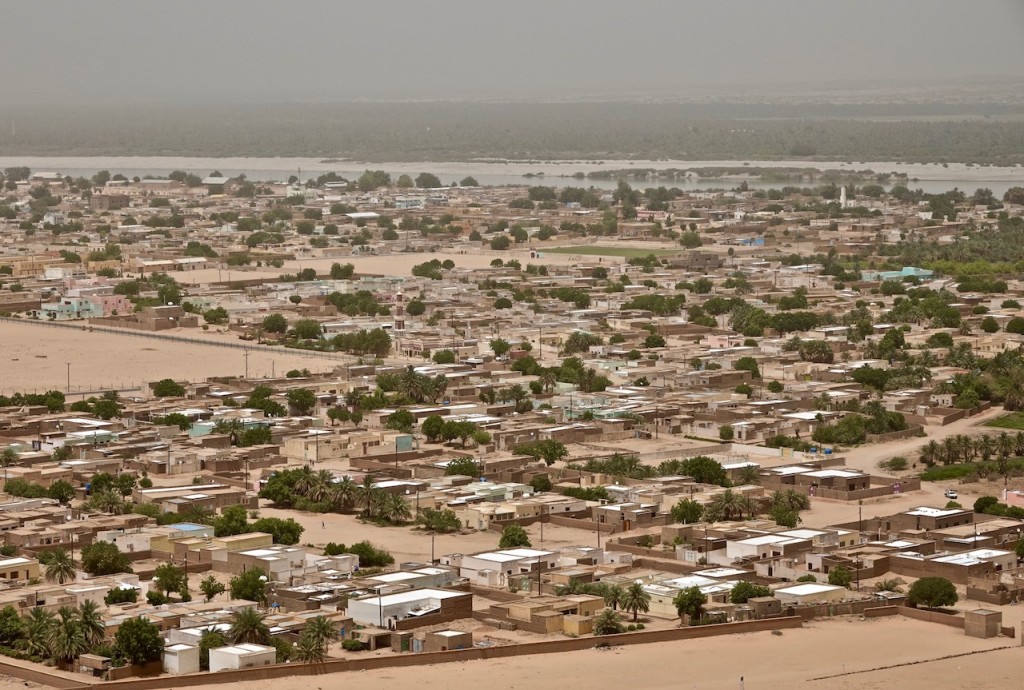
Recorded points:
(108, 501)
(366, 495)
(548, 379)
(930, 453)
(414, 384)
(61, 568)
(92, 623)
(748, 506)
(987, 446)
(614, 596)
(1004, 445)
(749, 474)
(321, 487)
(233, 428)
(308, 651)
(636, 600)
(724, 506)
(573, 586)
(791, 500)
(949, 450)
(344, 494)
(199, 515)
(320, 630)
(38, 624)
(249, 625)
(394, 509)
(607, 623)
(67, 639)
(304, 478)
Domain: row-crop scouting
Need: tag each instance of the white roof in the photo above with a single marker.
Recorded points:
(924, 511)
(414, 595)
(244, 649)
(807, 589)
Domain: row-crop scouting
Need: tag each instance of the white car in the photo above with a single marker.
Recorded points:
(951, 493)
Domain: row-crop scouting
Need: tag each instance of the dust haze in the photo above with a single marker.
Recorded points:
(196, 52)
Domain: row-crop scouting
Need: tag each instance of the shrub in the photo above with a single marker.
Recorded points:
(932, 592)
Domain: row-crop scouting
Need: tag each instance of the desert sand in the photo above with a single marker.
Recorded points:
(398, 264)
(33, 358)
(831, 655)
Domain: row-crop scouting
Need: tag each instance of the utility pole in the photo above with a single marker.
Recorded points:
(860, 527)
(246, 362)
(69, 376)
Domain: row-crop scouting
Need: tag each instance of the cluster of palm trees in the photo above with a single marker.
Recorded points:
(64, 636)
(963, 448)
(249, 625)
(409, 384)
(732, 505)
(632, 598)
(345, 495)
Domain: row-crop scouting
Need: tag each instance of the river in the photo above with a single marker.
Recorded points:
(931, 178)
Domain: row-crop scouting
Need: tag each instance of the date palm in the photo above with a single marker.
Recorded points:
(92, 623)
(304, 479)
(308, 651)
(395, 509)
(614, 596)
(637, 600)
(930, 453)
(366, 495)
(38, 626)
(249, 625)
(320, 630)
(321, 487)
(61, 568)
(67, 639)
(344, 494)
(548, 379)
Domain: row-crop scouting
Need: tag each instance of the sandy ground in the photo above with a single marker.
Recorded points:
(408, 544)
(399, 264)
(765, 661)
(842, 654)
(34, 358)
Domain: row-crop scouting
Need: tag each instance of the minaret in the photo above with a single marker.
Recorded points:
(842, 197)
(399, 312)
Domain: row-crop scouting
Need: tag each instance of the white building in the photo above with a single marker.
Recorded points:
(241, 656)
(386, 610)
(494, 568)
(181, 658)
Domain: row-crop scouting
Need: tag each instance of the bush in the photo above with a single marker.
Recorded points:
(352, 646)
(840, 576)
(121, 595)
(932, 592)
(513, 537)
(744, 590)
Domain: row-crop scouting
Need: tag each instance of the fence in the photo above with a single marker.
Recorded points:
(553, 646)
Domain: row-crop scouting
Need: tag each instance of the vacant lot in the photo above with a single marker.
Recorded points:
(35, 358)
(804, 658)
(596, 250)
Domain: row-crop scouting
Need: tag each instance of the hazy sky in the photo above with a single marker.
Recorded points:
(327, 50)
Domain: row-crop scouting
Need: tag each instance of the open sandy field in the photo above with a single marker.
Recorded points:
(385, 264)
(34, 357)
(815, 657)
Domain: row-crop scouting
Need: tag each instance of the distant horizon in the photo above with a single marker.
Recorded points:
(260, 51)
